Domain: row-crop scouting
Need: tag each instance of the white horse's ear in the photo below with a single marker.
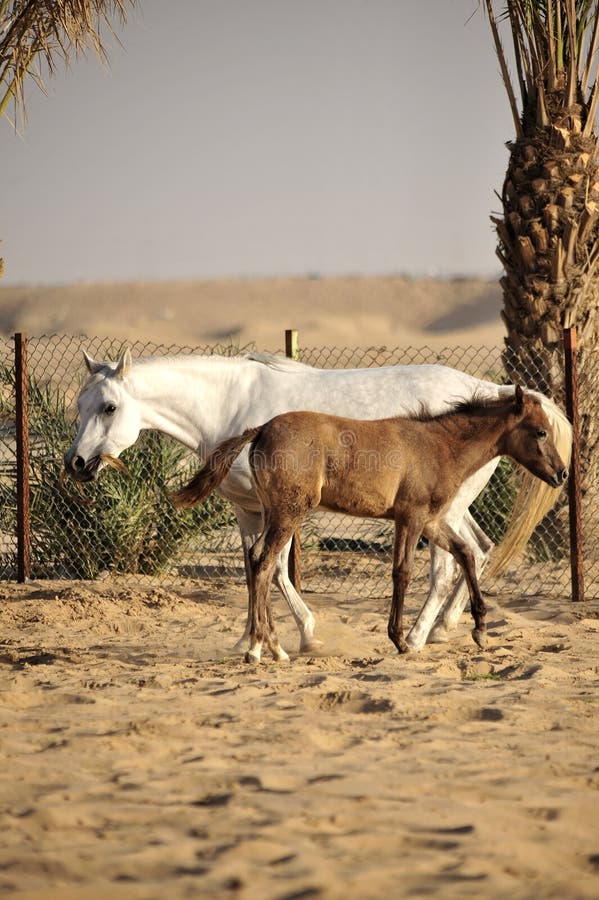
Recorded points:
(91, 364)
(123, 367)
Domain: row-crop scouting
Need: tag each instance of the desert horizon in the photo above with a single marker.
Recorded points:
(355, 310)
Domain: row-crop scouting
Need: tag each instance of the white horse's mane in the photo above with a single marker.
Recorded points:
(279, 363)
(271, 360)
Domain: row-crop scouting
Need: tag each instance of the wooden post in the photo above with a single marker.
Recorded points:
(574, 492)
(22, 435)
(295, 556)
(291, 343)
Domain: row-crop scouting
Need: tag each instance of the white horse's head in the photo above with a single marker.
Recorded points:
(109, 418)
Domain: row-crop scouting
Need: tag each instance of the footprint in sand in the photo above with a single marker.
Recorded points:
(350, 702)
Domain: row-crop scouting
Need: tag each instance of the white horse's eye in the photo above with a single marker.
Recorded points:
(109, 409)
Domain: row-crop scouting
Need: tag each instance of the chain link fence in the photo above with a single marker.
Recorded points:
(127, 528)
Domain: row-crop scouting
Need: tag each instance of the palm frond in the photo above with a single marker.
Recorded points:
(504, 68)
(555, 46)
(37, 34)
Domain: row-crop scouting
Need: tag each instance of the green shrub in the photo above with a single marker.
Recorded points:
(492, 508)
(121, 524)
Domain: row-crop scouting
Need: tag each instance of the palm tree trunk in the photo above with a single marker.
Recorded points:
(549, 247)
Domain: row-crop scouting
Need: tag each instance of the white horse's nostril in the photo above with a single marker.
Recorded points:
(79, 464)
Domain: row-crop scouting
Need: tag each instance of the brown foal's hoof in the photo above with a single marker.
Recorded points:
(480, 637)
(402, 646)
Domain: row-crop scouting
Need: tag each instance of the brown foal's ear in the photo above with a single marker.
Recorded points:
(518, 400)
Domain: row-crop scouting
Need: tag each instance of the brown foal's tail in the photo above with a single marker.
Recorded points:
(215, 469)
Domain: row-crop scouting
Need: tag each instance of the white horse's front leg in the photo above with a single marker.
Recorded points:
(444, 568)
(443, 571)
(247, 541)
(303, 616)
(456, 603)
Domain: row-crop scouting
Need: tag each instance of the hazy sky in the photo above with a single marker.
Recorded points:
(264, 137)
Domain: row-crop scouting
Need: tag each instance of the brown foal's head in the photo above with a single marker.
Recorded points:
(530, 441)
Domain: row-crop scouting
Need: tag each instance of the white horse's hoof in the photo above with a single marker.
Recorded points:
(311, 646)
(414, 646)
(439, 635)
(480, 637)
(250, 657)
(279, 655)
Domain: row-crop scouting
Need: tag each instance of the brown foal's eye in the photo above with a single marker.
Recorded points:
(541, 434)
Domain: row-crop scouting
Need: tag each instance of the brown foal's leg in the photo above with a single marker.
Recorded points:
(448, 539)
(404, 547)
(263, 560)
(256, 623)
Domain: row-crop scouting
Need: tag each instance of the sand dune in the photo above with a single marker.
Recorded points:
(347, 312)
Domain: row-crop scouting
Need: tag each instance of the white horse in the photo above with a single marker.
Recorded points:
(201, 400)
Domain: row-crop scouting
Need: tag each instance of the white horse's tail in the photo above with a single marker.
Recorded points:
(214, 471)
(535, 498)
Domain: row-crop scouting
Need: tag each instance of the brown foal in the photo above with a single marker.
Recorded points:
(408, 470)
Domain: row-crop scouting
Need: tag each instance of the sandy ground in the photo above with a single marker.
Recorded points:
(141, 758)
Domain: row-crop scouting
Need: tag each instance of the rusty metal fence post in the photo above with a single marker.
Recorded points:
(574, 487)
(295, 555)
(22, 440)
